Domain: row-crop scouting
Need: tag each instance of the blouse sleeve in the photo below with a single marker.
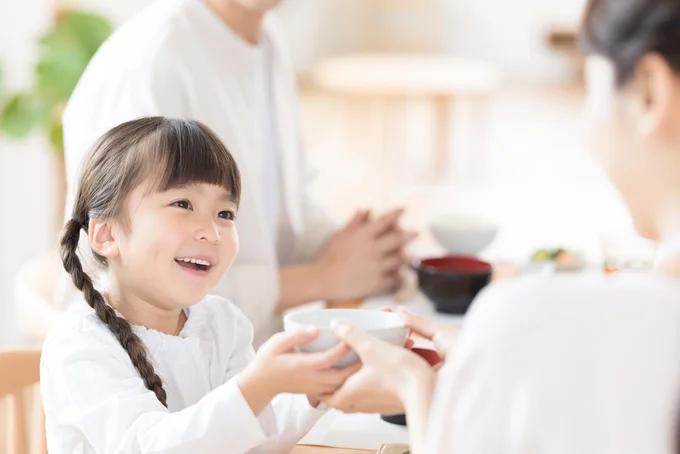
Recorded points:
(288, 417)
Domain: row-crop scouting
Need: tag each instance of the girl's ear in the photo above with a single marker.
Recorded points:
(101, 238)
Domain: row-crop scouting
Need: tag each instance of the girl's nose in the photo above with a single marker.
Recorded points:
(208, 232)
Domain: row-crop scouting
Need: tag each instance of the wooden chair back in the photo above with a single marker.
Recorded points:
(20, 373)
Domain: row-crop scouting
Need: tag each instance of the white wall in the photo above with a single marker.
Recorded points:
(24, 168)
(510, 34)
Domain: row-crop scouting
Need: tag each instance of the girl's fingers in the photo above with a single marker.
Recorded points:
(327, 359)
(287, 341)
(338, 376)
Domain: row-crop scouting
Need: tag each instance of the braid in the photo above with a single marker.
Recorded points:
(119, 326)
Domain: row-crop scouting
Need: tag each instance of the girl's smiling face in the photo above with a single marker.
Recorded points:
(173, 246)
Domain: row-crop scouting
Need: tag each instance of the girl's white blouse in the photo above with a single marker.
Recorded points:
(96, 402)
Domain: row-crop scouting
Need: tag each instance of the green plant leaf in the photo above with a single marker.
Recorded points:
(59, 70)
(65, 51)
(91, 30)
(56, 133)
(21, 114)
(2, 80)
(87, 30)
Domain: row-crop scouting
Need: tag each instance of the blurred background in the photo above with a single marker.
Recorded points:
(445, 107)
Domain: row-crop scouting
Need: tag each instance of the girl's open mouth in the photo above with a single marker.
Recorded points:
(194, 264)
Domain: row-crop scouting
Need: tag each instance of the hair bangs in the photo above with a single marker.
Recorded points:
(185, 153)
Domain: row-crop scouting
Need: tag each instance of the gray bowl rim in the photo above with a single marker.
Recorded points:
(288, 317)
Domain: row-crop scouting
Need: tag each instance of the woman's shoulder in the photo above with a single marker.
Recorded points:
(578, 291)
(537, 355)
(542, 308)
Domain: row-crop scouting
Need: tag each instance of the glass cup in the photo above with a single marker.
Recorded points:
(627, 253)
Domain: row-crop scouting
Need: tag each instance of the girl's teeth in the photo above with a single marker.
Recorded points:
(196, 261)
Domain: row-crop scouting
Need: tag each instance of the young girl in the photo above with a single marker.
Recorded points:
(151, 364)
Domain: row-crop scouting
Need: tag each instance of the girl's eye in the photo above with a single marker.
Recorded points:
(229, 215)
(185, 204)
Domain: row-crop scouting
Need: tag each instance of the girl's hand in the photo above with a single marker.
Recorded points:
(277, 368)
(387, 372)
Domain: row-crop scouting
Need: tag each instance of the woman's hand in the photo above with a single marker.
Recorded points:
(442, 336)
(387, 372)
(277, 368)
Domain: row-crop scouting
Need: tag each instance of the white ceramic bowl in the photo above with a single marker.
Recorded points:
(462, 235)
(386, 326)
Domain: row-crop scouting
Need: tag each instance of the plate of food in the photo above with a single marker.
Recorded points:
(559, 258)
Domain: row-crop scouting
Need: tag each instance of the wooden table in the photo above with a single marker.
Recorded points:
(324, 450)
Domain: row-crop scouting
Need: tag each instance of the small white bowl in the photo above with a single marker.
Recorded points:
(461, 235)
(385, 326)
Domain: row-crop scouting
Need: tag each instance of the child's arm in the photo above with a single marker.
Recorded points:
(288, 417)
(287, 420)
(95, 392)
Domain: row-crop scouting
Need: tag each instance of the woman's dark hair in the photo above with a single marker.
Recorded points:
(625, 30)
(168, 153)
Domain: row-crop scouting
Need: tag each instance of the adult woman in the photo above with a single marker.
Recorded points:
(572, 364)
